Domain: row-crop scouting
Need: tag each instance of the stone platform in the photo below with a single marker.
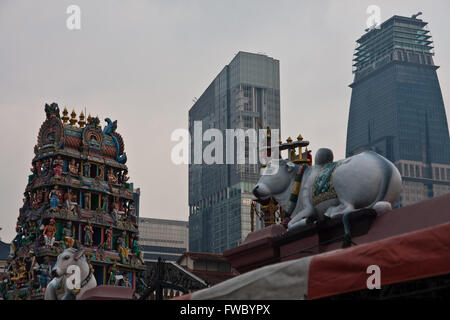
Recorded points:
(275, 244)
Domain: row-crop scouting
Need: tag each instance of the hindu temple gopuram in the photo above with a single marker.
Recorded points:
(79, 196)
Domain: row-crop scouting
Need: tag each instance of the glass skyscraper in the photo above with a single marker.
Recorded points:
(397, 108)
(161, 238)
(245, 94)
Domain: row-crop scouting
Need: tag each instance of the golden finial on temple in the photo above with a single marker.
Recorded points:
(299, 138)
(73, 118)
(65, 116)
(289, 140)
(81, 123)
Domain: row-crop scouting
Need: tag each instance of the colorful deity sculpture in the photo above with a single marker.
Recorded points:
(112, 275)
(132, 213)
(100, 252)
(30, 232)
(49, 233)
(86, 170)
(68, 235)
(88, 234)
(19, 270)
(136, 250)
(38, 168)
(70, 201)
(44, 271)
(101, 172)
(31, 264)
(122, 248)
(74, 167)
(54, 199)
(109, 235)
(124, 177)
(112, 178)
(58, 167)
(126, 281)
(35, 201)
(118, 212)
(45, 167)
(87, 201)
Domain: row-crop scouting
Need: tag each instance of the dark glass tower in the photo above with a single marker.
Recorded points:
(397, 108)
(246, 92)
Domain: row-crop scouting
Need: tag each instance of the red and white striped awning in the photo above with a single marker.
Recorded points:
(411, 256)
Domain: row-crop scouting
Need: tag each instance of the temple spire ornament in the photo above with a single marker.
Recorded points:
(82, 123)
(73, 118)
(65, 117)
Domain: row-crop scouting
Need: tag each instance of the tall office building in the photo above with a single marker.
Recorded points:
(397, 108)
(244, 94)
(161, 238)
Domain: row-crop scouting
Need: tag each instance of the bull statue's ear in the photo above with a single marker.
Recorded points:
(290, 166)
(78, 254)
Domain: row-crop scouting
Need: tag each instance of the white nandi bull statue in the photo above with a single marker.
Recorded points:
(57, 289)
(366, 180)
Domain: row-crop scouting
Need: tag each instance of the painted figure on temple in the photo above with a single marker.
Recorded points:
(100, 252)
(126, 281)
(45, 168)
(54, 199)
(52, 110)
(112, 275)
(88, 234)
(132, 213)
(122, 248)
(70, 201)
(17, 241)
(58, 167)
(68, 235)
(31, 264)
(109, 235)
(30, 232)
(122, 210)
(136, 250)
(86, 170)
(19, 270)
(101, 172)
(87, 201)
(112, 177)
(44, 271)
(37, 168)
(34, 201)
(49, 233)
(74, 167)
(118, 211)
(124, 177)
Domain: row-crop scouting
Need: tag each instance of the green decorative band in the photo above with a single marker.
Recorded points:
(293, 198)
(323, 189)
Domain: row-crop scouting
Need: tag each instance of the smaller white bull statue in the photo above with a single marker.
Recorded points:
(58, 288)
(366, 180)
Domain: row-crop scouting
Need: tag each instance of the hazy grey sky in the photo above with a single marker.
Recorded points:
(142, 62)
